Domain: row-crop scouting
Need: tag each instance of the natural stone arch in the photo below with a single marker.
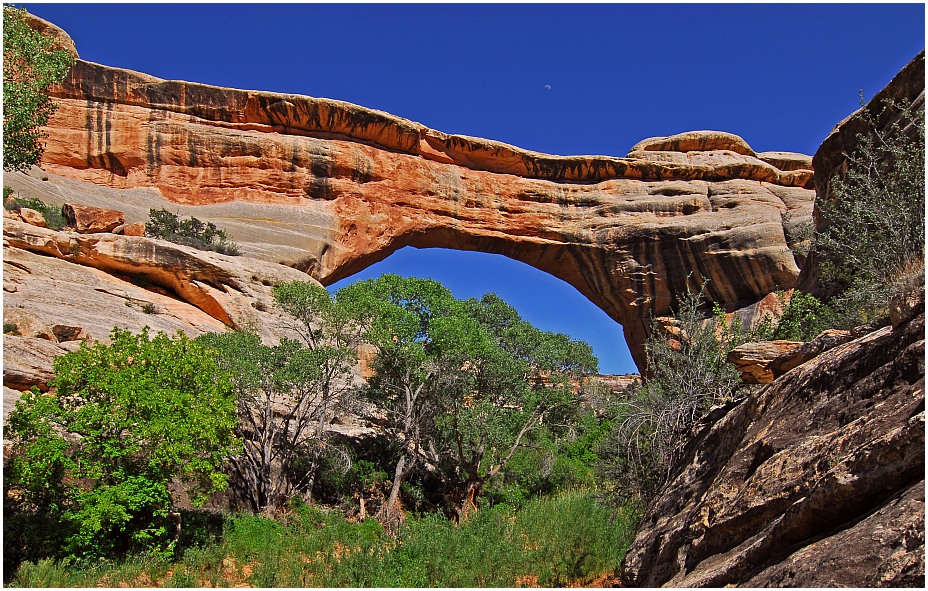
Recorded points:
(631, 233)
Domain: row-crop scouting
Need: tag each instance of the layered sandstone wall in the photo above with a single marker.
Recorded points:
(630, 233)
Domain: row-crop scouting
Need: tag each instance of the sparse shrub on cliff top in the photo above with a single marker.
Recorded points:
(189, 232)
(31, 63)
(54, 219)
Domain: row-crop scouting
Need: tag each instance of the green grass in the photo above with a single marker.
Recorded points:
(565, 539)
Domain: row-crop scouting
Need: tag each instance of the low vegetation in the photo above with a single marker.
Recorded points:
(189, 232)
(52, 213)
(566, 539)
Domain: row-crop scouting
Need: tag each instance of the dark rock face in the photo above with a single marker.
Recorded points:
(817, 480)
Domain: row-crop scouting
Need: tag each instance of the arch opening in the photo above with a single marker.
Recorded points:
(546, 301)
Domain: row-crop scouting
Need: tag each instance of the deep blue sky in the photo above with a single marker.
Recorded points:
(781, 76)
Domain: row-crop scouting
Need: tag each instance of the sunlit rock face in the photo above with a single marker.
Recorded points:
(630, 233)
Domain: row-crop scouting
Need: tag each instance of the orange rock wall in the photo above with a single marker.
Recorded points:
(630, 233)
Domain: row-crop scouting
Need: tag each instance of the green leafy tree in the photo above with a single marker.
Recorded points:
(127, 419)
(31, 63)
(289, 394)
(405, 385)
(518, 388)
(462, 384)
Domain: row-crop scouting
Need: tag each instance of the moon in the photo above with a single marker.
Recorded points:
(547, 87)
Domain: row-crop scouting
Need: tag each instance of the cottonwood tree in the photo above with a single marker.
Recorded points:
(31, 63)
(515, 379)
(405, 386)
(461, 384)
(127, 420)
(288, 395)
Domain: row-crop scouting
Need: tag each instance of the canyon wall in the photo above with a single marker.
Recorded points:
(631, 233)
(818, 478)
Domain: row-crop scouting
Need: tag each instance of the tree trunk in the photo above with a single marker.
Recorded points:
(468, 504)
(390, 513)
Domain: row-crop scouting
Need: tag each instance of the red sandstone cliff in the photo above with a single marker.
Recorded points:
(626, 232)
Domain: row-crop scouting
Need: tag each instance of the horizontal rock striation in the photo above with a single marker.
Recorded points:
(104, 280)
(629, 233)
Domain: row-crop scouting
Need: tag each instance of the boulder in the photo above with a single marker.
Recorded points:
(31, 216)
(86, 219)
(136, 229)
(796, 356)
(28, 361)
(907, 302)
(105, 280)
(753, 360)
(64, 333)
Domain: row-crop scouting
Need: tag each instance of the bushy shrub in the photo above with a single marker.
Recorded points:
(189, 232)
(128, 418)
(551, 462)
(52, 213)
(874, 237)
(803, 318)
(688, 374)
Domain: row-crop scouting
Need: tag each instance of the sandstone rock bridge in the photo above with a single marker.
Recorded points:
(630, 233)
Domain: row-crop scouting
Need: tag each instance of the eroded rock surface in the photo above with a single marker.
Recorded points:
(61, 288)
(625, 231)
(753, 360)
(816, 480)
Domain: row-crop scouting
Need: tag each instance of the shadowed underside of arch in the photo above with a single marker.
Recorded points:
(629, 233)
